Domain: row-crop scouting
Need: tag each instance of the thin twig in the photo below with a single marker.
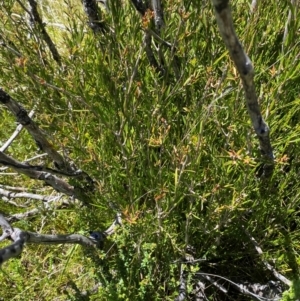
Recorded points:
(287, 24)
(149, 53)
(253, 6)
(15, 134)
(32, 212)
(15, 195)
(13, 188)
(268, 266)
(35, 157)
(215, 283)
(135, 68)
(159, 39)
(199, 292)
(182, 284)
(244, 289)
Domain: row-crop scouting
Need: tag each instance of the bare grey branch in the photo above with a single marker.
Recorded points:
(140, 6)
(158, 14)
(13, 195)
(246, 71)
(55, 182)
(23, 118)
(21, 237)
(36, 20)
(14, 135)
(93, 14)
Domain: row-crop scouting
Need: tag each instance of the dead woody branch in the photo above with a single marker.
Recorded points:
(24, 119)
(95, 23)
(152, 14)
(158, 14)
(65, 167)
(20, 237)
(267, 265)
(271, 291)
(14, 135)
(246, 71)
(34, 173)
(37, 22)
(7, 195)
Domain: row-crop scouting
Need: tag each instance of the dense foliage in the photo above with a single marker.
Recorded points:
(174, 151)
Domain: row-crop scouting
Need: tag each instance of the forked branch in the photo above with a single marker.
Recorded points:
(48, 175)
(24, 119)
(21, 237)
